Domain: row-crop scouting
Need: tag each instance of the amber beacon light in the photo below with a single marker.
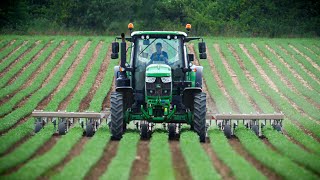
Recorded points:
(130, 26)
(188, 27)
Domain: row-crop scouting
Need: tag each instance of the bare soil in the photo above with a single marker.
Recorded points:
(99, 78)
(237, 146)
(140, 167)
(102, 165)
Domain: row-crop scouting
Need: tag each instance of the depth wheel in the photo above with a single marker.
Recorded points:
(144, 132)
(278, 128)
(62, 128)
(116, 123)
(89, 130)
(38, 127)
(199, 120)
(172, 131)
(227, 131)
(255, 129)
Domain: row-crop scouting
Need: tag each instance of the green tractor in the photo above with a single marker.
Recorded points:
(159, 84)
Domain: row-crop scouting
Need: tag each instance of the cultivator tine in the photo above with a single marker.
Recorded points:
(89, 121)
(228, 122)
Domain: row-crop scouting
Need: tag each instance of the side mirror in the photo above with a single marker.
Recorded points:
(115, 50)
(146, 42)
(202, 47)
(203, 55)
(190, 57)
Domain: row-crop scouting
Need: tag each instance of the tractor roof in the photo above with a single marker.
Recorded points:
(135, 33)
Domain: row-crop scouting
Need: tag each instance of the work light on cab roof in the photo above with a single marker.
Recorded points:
(158, 84)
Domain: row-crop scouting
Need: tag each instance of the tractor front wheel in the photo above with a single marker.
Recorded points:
(199, 120)
(116, 123)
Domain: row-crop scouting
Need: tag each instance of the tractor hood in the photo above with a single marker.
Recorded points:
(158, 70)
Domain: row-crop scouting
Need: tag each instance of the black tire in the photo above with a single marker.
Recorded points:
(89, 130)
(227, 131)
(199, 112)
(116, 123)
(278, 128)
(255, 129)
(172, 131)
(38, 127)
(144, 132)
(62, 128)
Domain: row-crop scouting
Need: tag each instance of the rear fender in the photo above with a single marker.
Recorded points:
(188, 96)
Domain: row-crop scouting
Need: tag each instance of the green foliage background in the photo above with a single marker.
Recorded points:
(269, 18)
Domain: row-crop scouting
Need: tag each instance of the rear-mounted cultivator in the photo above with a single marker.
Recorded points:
(256, 122)
(89, 121)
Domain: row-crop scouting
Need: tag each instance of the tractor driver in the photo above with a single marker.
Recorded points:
(159, 55)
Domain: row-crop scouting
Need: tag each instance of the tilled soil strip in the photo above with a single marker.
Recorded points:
(140, 167)
(312, 51)
(259, 90)
(179, 164)
(300, 64)
(239, 87)
(315, 65)
(271, 83)
(100, 167)
(84, 75)
(278, 72)
(46, 147)
(237, 146)
(19, 58)
(34, 75)
(75, 151)
(12, 52)
(45, 102)
(39, 53)
(100, 76)
(7, 45)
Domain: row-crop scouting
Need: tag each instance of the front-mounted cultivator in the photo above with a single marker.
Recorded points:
(63, 121)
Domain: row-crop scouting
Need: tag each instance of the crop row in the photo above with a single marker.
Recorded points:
(37, 82)
(10, 49)
(242, 101)
(10, 119)
(22, 63)
(296, 153)
(27, 73)
(60, 98)
(16, 55)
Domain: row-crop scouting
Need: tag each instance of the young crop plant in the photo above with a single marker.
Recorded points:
(20, 64)
(8, 50)
(120, 166)
(241, 168)
(48, 160)
(161, 166)
(199, 163)
(92, 151)
(280, 164)
(31, 69)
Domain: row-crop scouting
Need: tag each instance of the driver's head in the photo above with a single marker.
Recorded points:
(158, 47)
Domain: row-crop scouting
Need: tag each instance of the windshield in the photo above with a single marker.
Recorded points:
(158, 51)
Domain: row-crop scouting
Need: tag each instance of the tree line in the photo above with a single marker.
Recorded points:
(268, 18)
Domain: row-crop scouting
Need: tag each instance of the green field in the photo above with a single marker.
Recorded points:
(242, 75)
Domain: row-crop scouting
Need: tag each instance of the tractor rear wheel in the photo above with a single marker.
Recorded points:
(116, 123)
(199, 112)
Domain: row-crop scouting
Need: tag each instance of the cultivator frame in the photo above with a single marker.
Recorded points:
(256, 122)
(89, 121)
